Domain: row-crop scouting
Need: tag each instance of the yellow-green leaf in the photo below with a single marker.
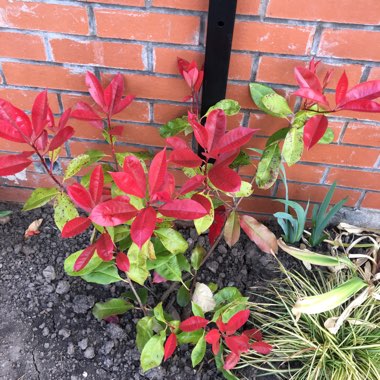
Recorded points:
(293, 146)
(76, 165)
(40, 197)
(64, 210)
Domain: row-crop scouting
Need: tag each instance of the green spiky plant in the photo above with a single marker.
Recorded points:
(305, 349)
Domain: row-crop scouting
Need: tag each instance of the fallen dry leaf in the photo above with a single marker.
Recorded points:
(33, 229)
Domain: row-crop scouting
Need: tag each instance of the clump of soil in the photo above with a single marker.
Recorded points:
(47, 330)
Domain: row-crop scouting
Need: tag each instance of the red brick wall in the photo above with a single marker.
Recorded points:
(51, 43)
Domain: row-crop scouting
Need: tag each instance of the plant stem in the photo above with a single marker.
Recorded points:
(52, 176)
(128, 280)
(112, 143)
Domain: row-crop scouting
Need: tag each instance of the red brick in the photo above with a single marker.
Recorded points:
(163, 112)
(166, 62)
(304, 173)
(136, 111)
(281, 70)
(374, 73)
(32, 180)
(353, 44)
(10, 146)
(23, 46)
(14, 194)
(24, 99)
(343, 11)
(362, 134)
(147, 26)
(44, 76)
(249, 7)
(41, 16)
(355, 178)
(109, 54)
(272, 38)
(341, 155)
(260, 205)
(371, 200)
(314, 193)
(134, 3)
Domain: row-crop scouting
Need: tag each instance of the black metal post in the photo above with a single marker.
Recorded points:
(220, 27)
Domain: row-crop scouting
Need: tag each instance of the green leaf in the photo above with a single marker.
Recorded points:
(197, 256)
(144, 331)
(276, 104)
(229, 106)
(245, 190)
(170, 270)
(159, 313)
(172, 240)
(121, 232)
(106, 168)
(293, 146)
(76, 165)
(5, 213)
(141, 292)
(269, 167)
(174, 127)
(183, 263)
(152, 353)
(183, 296)
(277, 136)
(203, 224)
(189, 337)
(213, 286)
(197, 310)
(301, 117)
(115, 306)
(199, 351)
(161, 259)
(105, 273)
(242, 159)
(220, 363)
(138, 271)
(95, 156)
(68, 265)
(64, 210)
(40, 197)
(328, 137)
(228, 294)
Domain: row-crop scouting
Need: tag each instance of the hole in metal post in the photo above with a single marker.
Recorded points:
(220, 23)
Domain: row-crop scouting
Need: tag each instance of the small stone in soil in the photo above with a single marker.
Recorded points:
(82, 303)
(83, 344)
(49, 273)
(89, 353)
(62, 287)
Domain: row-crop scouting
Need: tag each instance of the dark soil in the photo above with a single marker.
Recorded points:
(47, 330)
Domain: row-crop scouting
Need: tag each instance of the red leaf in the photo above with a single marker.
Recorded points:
(224, 178)
(170, 346)
(64, 119)
(41, 141)
(113, 93)
(221, 325)
(84, 258)
(367, 90)
(227, 158)
(13, 163)
(237, 321)
(185, 157)
(95, 89)
(307, 78)
(193, 324)
(96, 184)
(143, 226)
(182, 65)
(231, 360)
(192, 184)
(40, 113)
(75, 226)
(113, 212)
(216, 127)
(133, 167)
(124, 103)
(176, 142)
(202, 200)
(341, 88)
(200, 132)
(16, 118)
(233, 140)
(185, 209)
(259, 234)
(314, 130)
(83, 111)
(105, 247)
(157, 172)
(80, 196)
(61, 137)
(363, 105)
(122, 262)
(253, 334)
(262, 347)
(216, 228)
(166, 190)
(213, 338)
(310, 94)
(237, 344)
(117, 130)
(9, 132)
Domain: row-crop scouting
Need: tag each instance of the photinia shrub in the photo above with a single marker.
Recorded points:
(131, 204)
